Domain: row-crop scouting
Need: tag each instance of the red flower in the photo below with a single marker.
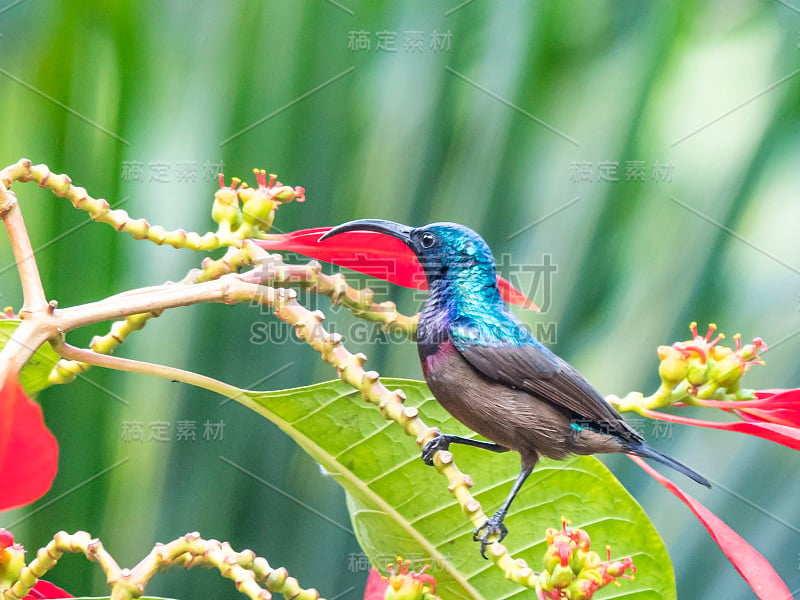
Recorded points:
(753, 567)
(573, 570)
(376, 585)
(776, 406)
(402, 584)
(45, 589)
(694, 371)
(774, 416)
(28, 451)
(373, 254)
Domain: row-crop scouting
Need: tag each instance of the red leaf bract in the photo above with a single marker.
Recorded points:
(780, 434)
(376, 586)
(28, 451)
(778, 406)
(374, 254)
(45, 589)
(755, 569)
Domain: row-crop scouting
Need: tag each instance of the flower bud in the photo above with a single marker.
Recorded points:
(226, 204)
(12, 559)
(674, 365)
(562, 576)
(258, 209)
(287, 194)
(545, 581)
(697, 374)
(582, 589)
(574, 571)
(728, 371)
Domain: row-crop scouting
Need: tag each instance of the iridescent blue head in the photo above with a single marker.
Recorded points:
(463, 298)
(458, 264)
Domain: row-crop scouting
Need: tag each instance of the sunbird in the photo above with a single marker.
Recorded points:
(490, 373)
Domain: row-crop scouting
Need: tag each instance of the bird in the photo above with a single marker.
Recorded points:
(491, 373)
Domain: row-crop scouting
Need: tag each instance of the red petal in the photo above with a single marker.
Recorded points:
(373, 254)
(793, 394)
(28, 451)
(45, 589)
(780, 434)
(765, 403)
(376, 586)
(755, 569)
(779, 416)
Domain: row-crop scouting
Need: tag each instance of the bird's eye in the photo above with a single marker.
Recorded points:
(427, 239)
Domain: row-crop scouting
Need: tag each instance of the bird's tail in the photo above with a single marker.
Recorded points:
(646, 451)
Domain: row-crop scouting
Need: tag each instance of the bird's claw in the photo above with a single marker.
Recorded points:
(440, 442)
(492, 527)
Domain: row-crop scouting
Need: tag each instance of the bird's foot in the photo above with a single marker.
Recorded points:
(493, 527)
(440, 442)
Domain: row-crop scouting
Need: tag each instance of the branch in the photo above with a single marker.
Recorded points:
(30, 335)
(32, 291)
(358, 301)
(270, 270)
(248, 571)
(308, 326)
(242, 252)
(170, 295)
(136, 366)
(100, 210)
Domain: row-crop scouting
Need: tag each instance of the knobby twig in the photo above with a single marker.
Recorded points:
(308, 326)
(218, 281)
(241, 253)
(248, 571)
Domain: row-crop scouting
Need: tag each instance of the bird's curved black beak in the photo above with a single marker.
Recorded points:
(396, 230)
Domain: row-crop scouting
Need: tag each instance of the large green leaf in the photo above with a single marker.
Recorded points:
(399, 506)
(33, 377)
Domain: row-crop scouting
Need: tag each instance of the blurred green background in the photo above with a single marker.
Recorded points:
(513, 118)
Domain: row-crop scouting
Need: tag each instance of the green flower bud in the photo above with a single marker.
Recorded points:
(287, 194)
(226, 204)
(674, 365)
(577, 561)
(12, 560)
(562, 576)
(727, 372)
(552, 558)
(582, 589)
(697, 374)
(545, 581)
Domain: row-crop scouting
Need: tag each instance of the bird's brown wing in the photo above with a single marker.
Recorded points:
(548, 377)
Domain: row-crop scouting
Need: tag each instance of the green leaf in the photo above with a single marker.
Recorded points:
(35, 373)
(399, 506)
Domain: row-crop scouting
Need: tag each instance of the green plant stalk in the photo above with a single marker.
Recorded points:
(664, 397)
